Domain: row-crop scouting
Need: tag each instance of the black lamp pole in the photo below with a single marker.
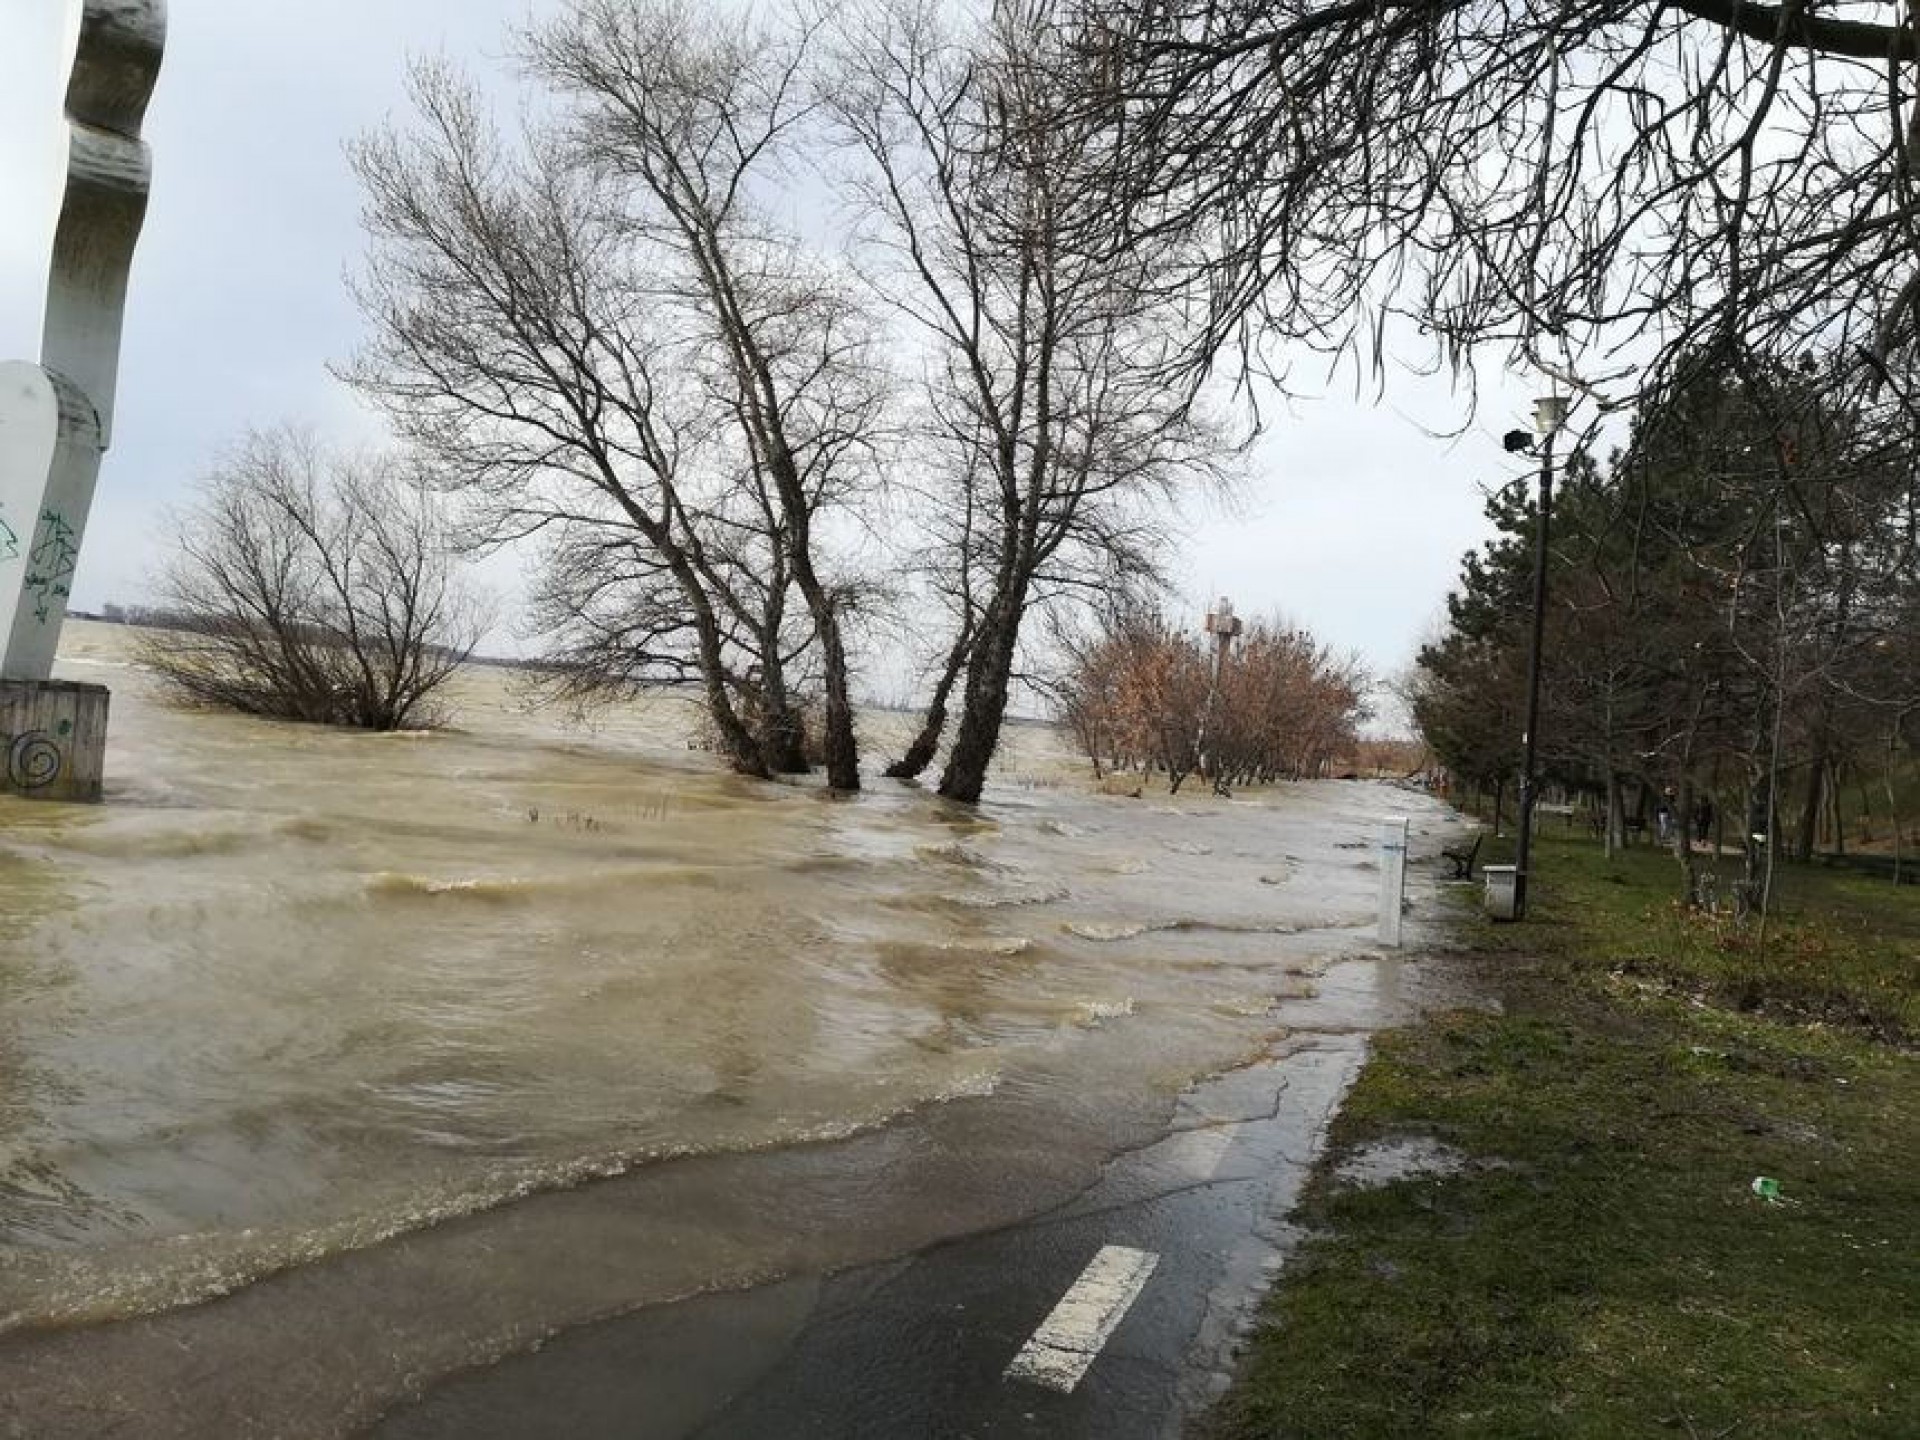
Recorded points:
(1523, 854)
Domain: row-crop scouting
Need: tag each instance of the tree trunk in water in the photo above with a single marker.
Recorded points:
(989, 675)
(744, 752)
(783, 742)
(782, 732)
(926, 743)
(920, 753)
(763, 411)
(843, 749)
(742, 747)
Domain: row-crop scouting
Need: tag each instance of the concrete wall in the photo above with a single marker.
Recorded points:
(53, 739)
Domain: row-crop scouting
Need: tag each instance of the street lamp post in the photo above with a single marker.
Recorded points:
(1223, 625)
(1549, 414)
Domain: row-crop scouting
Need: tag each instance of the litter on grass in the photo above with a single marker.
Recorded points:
(1768, 1189)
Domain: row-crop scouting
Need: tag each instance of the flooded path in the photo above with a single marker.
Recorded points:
(420, 1050)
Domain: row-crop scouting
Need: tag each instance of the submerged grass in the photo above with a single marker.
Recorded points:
(1601, 1265)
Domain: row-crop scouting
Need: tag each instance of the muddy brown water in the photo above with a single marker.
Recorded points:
(296, 1010)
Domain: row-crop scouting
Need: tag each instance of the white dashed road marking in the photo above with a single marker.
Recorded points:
(1069, 1339)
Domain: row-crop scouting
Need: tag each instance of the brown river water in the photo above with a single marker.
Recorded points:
(292, 992)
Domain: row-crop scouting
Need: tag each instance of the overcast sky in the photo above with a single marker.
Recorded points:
(1353, 521)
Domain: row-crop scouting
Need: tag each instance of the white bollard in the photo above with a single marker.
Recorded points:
(1393, 877)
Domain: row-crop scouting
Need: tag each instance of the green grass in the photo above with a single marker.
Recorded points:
(1838, 948)
(1599, 1266)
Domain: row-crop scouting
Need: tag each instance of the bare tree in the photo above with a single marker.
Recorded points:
(311, 586)
(1580, 182)
(692, 113)
(1045, 389)
(614, 349)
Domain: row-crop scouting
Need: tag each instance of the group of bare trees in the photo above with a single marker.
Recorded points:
(735, 439)
(602, 329)
(615, 337)
(1047, 396)
(1141, 694)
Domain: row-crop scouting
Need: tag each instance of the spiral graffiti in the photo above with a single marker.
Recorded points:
(33, 760)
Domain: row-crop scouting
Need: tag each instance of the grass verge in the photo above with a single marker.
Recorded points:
(1595, 1262)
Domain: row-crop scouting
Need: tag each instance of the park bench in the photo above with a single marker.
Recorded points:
(1631, 827)
(1462, 857)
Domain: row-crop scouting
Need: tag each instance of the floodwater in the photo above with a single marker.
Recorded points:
(293, 993)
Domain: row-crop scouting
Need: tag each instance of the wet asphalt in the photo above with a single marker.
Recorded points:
(919, 1346)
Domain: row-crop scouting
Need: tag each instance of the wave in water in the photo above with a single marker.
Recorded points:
(952, 852)
(1107, 932)
(1001, 946)
(52, 1288)
(193, 837)
(1008, 899)
(395, 885)
(1090, 1014)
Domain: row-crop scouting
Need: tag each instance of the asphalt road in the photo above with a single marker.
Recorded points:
(970, 1271)
(922, 1345)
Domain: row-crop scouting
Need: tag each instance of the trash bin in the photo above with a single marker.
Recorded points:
(1502, 881)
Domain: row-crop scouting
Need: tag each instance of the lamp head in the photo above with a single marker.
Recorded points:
(1549, 414)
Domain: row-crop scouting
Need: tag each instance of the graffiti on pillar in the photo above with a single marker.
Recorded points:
(9, 542)
(34, 760)
(50, 565)
(54, 440)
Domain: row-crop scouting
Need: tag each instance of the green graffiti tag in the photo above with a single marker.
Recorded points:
(56, 550)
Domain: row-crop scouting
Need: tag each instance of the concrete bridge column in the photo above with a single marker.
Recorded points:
(56, 418)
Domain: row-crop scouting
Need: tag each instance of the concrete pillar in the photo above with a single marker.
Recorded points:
(49, 460)
(57, 417)
(53, 739)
